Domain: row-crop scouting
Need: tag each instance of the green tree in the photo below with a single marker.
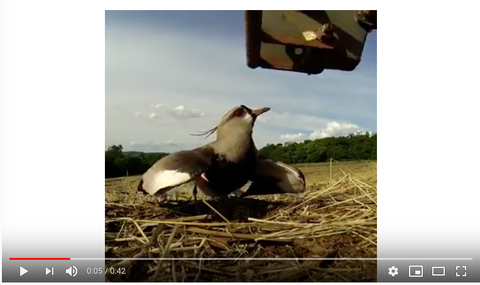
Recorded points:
(352, 147)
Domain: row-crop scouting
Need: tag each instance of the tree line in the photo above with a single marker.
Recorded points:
(120, 163)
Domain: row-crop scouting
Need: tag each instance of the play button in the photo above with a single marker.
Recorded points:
(23, 271)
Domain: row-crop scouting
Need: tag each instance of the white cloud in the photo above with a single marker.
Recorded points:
(182, 112)
(177, 112)
(332, 129)
(152, 116)
(293, 137)
(170, 142)
(146, 115)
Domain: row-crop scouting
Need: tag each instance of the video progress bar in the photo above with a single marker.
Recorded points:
(40, 258)
(271, 259)
(245, 258)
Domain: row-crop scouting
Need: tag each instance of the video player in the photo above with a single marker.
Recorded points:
(278, 181)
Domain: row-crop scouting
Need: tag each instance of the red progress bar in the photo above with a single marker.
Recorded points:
(39, 258)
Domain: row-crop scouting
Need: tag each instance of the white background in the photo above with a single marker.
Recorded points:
(53, 56)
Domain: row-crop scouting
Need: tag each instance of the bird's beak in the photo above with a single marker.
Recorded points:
(258, 112)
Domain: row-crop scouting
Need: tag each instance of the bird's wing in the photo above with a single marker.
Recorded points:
(176, 169)
(275, 177)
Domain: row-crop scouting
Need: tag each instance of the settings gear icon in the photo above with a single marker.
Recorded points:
(393, 271)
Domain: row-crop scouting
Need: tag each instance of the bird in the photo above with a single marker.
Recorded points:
(220, 168)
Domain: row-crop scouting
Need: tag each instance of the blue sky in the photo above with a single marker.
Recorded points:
(173, 73)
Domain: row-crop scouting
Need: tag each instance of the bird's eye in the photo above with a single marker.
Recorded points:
(240, 112)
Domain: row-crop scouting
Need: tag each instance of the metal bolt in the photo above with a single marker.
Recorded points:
(326, 33)
(327, 28)
(367, 19)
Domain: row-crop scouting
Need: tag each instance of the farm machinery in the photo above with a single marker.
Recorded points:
(307, 41)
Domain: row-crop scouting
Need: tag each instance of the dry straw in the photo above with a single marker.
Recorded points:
(336, 218)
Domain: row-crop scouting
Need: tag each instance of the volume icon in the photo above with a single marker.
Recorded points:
(72, 271)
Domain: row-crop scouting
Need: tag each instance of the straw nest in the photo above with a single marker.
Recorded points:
(244, 239)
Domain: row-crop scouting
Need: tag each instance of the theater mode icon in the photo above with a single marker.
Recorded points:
(438, 271)
(415, 271)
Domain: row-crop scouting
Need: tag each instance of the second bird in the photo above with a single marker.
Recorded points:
(225, 165)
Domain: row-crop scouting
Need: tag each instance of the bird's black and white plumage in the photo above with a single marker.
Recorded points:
(226, 164)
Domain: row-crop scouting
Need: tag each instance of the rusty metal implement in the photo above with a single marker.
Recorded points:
(307, 41)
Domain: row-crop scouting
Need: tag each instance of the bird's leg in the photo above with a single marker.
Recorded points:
(160, 198)
(195, 198)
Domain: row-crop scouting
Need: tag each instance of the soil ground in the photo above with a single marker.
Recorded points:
(335, 218)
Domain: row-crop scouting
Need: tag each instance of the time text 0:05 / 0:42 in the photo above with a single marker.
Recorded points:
(107, 270)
